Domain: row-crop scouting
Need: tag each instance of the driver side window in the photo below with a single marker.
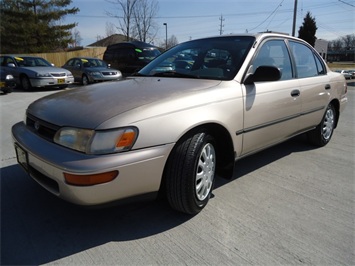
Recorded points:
(274, 53)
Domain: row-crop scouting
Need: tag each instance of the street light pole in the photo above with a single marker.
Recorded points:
(166, 35)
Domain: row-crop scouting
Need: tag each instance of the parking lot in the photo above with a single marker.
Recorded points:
(292, 204)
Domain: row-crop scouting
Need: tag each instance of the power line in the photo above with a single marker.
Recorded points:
(346, 3)
(267, 17)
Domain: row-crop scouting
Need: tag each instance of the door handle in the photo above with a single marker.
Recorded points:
(327, 87)
(295, 93)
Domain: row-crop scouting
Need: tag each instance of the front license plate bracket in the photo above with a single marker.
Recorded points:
(22, 157)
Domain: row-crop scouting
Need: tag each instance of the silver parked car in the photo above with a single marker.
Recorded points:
(89, 70)
(173, 129)
(346, 73)
(35, 72)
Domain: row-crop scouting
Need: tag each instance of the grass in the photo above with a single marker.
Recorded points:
(340, 65)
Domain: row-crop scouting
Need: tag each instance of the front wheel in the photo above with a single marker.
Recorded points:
(190, 173)
(321, 135)
(85, 80)
(25, 83)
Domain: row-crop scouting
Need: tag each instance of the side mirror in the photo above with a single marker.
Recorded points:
(11, 65)
(264, 73)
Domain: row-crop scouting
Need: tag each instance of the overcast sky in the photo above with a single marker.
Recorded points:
(191, 19)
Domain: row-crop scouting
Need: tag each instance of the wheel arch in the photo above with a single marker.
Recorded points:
(22, 76)
(336, 105)
(224, 149)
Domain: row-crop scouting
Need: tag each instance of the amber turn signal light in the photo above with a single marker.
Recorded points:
(90, 180)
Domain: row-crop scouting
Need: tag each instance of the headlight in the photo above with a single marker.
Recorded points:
(9, 77)
(97, 142)
(94, 73)
(43, 75)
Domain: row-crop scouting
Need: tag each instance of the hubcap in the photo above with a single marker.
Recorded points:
(205, 172)
(328, 124)
(85, 80)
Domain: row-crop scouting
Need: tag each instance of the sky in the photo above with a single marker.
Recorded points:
(192, 19)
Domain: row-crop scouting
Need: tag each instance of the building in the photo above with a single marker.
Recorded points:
(321, 47)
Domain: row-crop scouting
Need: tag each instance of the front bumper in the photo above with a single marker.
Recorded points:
(96, 78)
(140, 172)
(51, 82)
(7, 86)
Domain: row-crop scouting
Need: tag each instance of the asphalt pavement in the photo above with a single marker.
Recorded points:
(292, 204)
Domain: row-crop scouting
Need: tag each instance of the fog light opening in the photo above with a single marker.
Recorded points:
(90, 180)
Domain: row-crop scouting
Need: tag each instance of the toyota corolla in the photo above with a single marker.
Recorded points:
(180, 121)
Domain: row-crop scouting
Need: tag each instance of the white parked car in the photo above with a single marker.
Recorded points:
(35, 72)
(172, 129)
(346, 73)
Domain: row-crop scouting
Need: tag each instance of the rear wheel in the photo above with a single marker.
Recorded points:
(322, 134)
(190, 173)
(25, 83)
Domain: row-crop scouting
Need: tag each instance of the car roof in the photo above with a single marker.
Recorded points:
(84, 57)
(258, 36)
(133, 44)
(22, 56)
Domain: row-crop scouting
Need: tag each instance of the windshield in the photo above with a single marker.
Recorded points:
(32, 62)
(93, 62)
(217, 58)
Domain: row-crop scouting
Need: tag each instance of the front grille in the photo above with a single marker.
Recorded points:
(58, 75)
(109, 73)
(42, 128)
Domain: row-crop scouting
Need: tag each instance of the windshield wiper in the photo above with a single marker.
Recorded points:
(137, 74)
(174, 74)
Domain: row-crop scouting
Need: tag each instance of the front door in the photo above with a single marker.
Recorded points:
(271, 109)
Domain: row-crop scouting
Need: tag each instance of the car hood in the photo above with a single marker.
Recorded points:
(91, 69)
(44, 70)
(88, 107)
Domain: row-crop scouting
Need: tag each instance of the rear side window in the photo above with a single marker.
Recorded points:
(307, 63)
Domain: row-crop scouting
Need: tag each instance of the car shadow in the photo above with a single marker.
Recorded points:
(38, 228)
(265, 157)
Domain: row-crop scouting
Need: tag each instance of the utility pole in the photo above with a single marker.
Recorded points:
(294, 18)
(166, 35)
(221, 25)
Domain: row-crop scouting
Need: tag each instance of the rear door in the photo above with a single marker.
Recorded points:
(314, 83)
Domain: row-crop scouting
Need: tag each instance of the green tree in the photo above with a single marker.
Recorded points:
(308, 29)
(34, 26)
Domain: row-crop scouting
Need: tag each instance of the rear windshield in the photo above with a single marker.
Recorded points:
(147, 54)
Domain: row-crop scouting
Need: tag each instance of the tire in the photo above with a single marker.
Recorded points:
(63, 87)
(321, 135)
(25, 83)
(190, 173)
(85, 80)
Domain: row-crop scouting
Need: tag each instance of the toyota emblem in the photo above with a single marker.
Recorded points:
(37, 125)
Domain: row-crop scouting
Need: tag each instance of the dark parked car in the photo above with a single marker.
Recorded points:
(35, 72)
(7, 81)
(181, 120)
(88, 70)
(130, 57)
